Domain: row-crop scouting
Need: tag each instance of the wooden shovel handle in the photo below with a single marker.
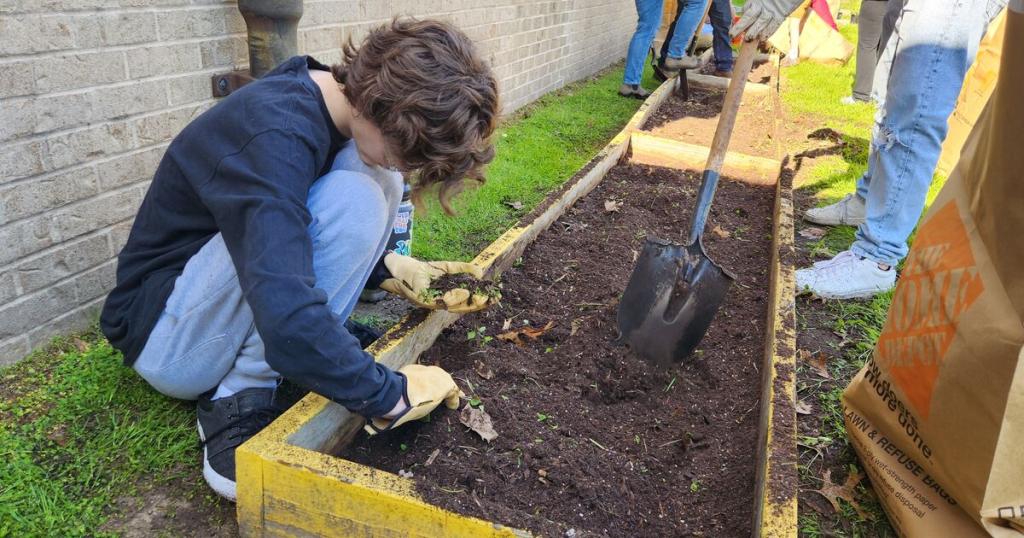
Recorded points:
(720, 143)
(731, 107)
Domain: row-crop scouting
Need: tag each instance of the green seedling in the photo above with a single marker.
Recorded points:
(479, 336)
(695, 486)
(430, 295)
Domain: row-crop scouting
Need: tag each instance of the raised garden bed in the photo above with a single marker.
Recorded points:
(705, 439)
(591, 436)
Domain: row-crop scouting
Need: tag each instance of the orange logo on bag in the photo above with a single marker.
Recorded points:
(938, 283)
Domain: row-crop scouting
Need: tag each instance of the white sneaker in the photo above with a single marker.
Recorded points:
(850, 211)
(846, 276)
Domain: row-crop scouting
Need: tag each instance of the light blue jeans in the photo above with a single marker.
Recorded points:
(916, 84)
(206, 337)
(688, 17)
(648, 19)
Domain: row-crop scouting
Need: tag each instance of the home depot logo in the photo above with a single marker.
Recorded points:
(939, 282)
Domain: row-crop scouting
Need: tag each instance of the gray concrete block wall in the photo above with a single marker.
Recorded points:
(92, 92)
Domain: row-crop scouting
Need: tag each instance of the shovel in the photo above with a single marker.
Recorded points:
(675, 290)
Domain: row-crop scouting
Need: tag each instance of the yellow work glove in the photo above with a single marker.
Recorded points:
(425, 388)
(411, 277)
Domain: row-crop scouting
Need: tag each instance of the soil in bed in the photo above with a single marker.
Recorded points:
(592, 439)
(695, 120)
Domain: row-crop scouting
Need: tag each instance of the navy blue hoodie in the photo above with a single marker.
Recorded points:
(244, 169)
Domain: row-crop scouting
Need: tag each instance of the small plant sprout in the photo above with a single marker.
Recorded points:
(475, 402)
(670, 384)
(430, 295)
(478, 335)
(695, 486)
(541, 417)
(403, 447)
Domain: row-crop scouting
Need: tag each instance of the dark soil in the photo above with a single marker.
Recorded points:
(591, 437)
(695, 120)
(446, 283)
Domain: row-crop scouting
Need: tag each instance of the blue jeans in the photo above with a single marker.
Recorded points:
(648, 19)
(721, 20)
(917, 84)
(206, 339)
(689, 15)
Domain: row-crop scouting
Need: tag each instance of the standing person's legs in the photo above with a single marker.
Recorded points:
(691, 14)
(206, 339)
(932, 50)
(893, 12)
(648, 19)
(721, 19)
(869, 31)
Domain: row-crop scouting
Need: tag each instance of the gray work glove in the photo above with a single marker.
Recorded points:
(761, 18)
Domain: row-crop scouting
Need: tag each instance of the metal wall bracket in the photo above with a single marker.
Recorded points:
(225, 83)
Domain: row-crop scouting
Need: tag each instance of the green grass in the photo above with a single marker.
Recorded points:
(79, 431)
(537, 150)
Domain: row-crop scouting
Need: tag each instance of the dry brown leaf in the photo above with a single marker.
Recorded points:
(575, 326)
(530, 332)
(483, 370)
(612, 206)
(847, 492)
(479, 421)
(803, 408)
(80, 344)
(812, 232)
(517, 205)
(816, 362)
(720, 232)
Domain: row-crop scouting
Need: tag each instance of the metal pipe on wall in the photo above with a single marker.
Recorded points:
(273, 32)
(272, 37)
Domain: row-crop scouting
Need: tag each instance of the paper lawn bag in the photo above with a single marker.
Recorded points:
(937, 415)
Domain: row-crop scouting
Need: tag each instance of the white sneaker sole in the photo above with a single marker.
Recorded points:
(222, 485)
(852, 294)
(832, 222)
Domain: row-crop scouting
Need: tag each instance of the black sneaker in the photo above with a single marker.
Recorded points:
(226, 423)
(366, 334)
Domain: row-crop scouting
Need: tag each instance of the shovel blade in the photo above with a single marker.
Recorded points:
(670, 300)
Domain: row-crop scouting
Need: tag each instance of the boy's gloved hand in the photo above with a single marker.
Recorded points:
(425, 388)
(412, 277)
(761, 18)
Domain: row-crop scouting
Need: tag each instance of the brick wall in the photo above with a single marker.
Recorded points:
(92, 91)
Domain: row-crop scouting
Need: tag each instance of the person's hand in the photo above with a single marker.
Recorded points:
(425, 388)
(761, 18)
(411, 278)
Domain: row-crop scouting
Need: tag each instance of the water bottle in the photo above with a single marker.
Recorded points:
(401, 233)
(400, 241)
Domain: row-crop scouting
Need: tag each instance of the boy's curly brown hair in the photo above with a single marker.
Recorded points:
(423, 84)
